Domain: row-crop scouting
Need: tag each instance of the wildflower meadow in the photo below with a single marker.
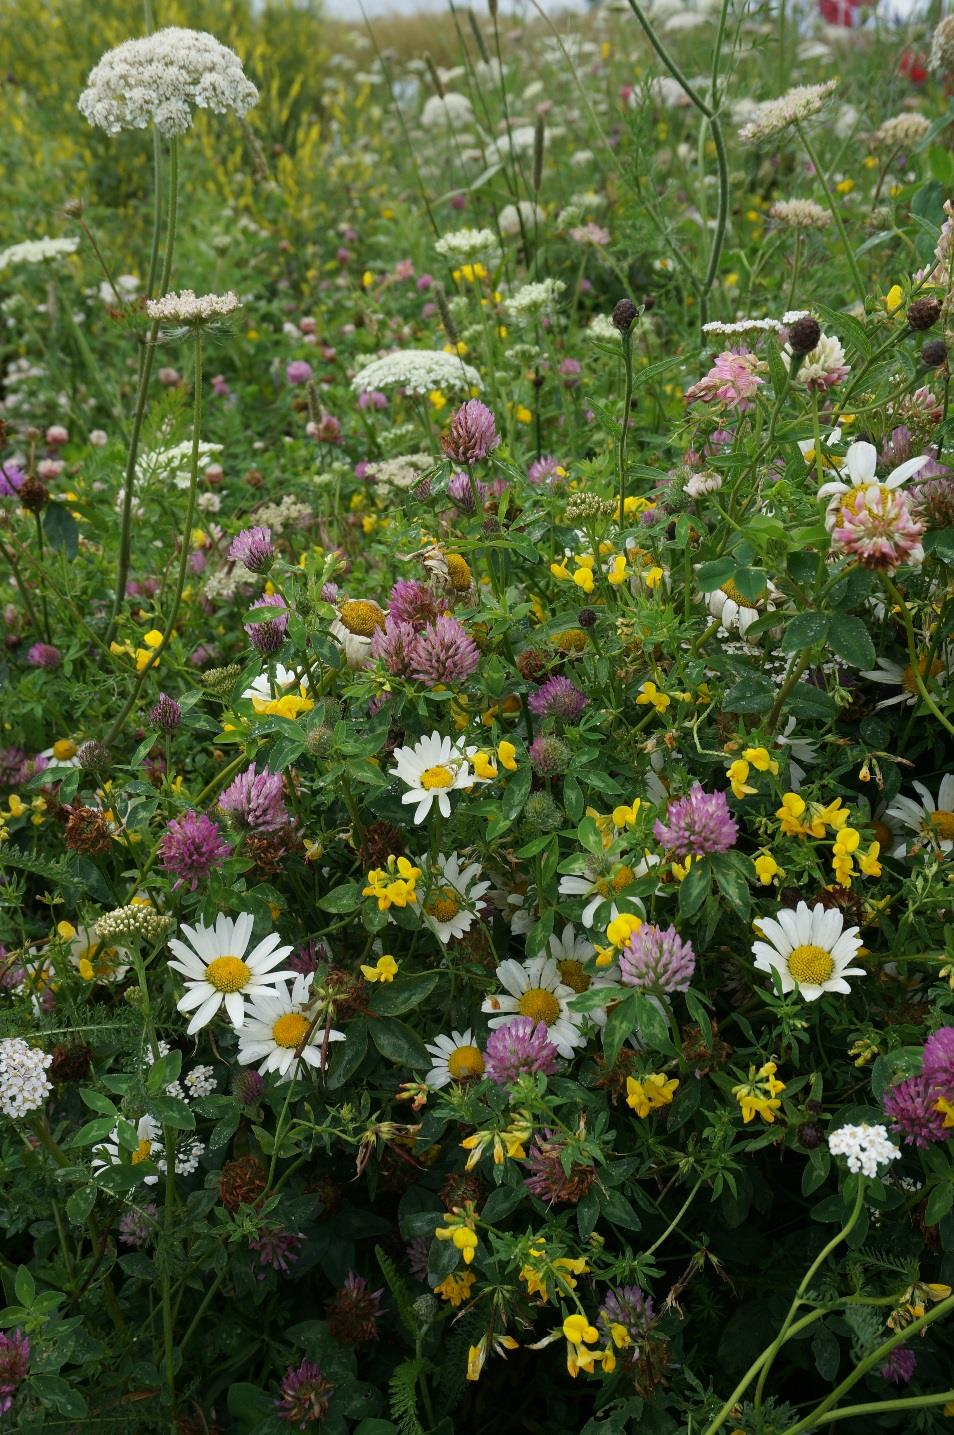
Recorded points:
(476, 787)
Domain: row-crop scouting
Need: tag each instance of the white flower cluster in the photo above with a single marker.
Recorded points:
(774, 116)
(827, 357)
(449, 111)
(532, 299)
(901, 132)
(174, 463)
(289, 512)
(942, 45)
(157, 80)
(864, 1147)
(466, 246)
(35, 251)
(601, 327)
(418, 371)
(512, 215)
(401, 472)
(186, 307)
(200, 1081)
(744, 326)
(799, 214)
(136, 920)
(24, 1084)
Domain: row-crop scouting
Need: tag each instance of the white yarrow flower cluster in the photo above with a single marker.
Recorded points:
(746, 326)
(418, 371)
(187, 307)
(200, 1081)
(24, 1084)
(466, 246)
(448, 111)
(799, 214)
(864, 1147)
(532, 299)
(159, 79)
(35, 251)
(774, 116)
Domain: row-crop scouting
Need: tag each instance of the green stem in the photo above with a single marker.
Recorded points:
(676, 1219)
(790, 303)
(624, 425)
(835, 213)
(875, 1407)
(18, 580)
(43, 606)
(916, 675)
(203, 1307)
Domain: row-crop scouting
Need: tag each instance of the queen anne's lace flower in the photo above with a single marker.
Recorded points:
(190, 308)
(157, 80)
(418, 371)
(34, 251)
(774, 116)
(465, 246)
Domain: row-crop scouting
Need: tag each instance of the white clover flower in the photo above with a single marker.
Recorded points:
(35, 251)
(157, 80)
(191, 309)
(418, 371)
(532, 299)
(774, 116)
(865, 1147)
(510, 217)
(602, 328)
(467, 246)
(24, 1084)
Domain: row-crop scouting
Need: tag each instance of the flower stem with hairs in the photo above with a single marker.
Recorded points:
(835, 213)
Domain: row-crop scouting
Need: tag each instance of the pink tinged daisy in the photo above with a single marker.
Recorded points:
(857, 471)
(931, 819)
(454, 1058)
(219, 969)
(809, 950)
(876, 527)
(281, 1019)
(534, 989)
(432, 769)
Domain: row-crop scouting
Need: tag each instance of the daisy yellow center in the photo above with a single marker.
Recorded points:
(942, 823)
(361, 617)
(810, 964)
(539, 1005)
(732, 592)
(142, 1152)
(573, 975)
(436, 777)
(443, 906)
(606, 886)
(228, 974)
(458, 570)
(908, 682)
(465, 1063)
(574, 640)
(289, 1030)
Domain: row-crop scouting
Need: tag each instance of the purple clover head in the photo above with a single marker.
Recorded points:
(698, 824)
(558, 698)
(254, 548)
(472, 434)
(191, 848)
(657, 960)
(444, 653)
(254, 801)
(267, 637)
(521, 1048)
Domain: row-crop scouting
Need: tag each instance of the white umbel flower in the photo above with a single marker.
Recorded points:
(24, 1084)
(219, 969)
(534, 989)
(157, 80)
(808, 949)
(450, 895)
(509, 218)
(454, 1058)
(36, 251)
(532, 299)
(418, 371)
(467, 246)
(774, 116)
(191, 309)
(865, 1147)
(858, 471)
(434, 767)
(279, 1021)
(932, 819)
(449, 111)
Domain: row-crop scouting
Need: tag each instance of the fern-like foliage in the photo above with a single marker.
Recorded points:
(57, 874)
(402, 1296)
(867, 1329)
(452, 1378)
(403, 1393)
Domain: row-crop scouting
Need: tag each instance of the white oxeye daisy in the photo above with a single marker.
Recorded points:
(932, 820)
(735, 611)
(808, 949)
(451, 895)
(97, 961)
(432, 768)
(356, 624)
(895, 675)
(829, 460)
(278, 1022)
(861, 460)
(571, 953)
(219, 969)
(149, 1148)
(602, 886)
(534, 989)
(454, 1058)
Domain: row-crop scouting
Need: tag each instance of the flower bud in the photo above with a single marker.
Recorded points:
(624, 315)
(924, 313)
(804, 334)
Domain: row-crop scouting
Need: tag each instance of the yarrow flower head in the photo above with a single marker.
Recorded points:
(255, 802)
(444, 653)
(135, 920)
(418, 371)
(774, 116)
(466, 246)
(519, 1048)
(190, 309)
(698, 824)
(558, 698)
(192, 847)
(657, 960)
(472, 434)
(253, 547)
(158, 79)
(865, 1147)
(24, 1084)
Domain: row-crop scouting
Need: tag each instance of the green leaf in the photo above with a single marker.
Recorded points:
(732, 879)
(620, 1023)
(395, 998)
(61, 529)
(24, 1286)
(826, 1353)
(650, 1024)
(939, 1203)
(499, 1203)
(710, 576)
(53, 1390)
(442, 1258)
(398, 1043)
(172, 1112)
(163, 1072)
(347, 1056)
(79, 1205)
(346, 898)
(805, 631)
(752, 694)
(850, 640)
(93, 1131)
(617, 1209)
(572, 798)
(516, 792)
(96, 1102)
(694, 888)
